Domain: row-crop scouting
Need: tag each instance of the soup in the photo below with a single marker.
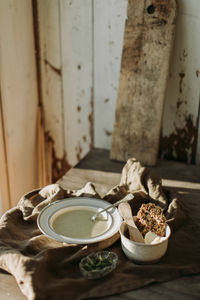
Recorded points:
(75, 222)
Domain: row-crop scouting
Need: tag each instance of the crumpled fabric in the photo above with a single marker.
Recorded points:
(47, 269)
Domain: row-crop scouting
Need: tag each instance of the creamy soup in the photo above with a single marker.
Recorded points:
(76, 223)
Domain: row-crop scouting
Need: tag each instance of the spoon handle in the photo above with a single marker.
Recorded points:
(126, 213)
(125, 199)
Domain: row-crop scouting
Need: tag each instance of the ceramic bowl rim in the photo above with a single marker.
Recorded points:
(93, 274)
(143, 244)
(43, 219)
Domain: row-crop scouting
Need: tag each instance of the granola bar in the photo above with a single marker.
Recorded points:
(150, 217)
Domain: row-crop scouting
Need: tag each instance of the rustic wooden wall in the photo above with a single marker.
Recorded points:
(78, 47)
(81, 46)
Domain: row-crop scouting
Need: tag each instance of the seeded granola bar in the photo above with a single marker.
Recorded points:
(150, 217)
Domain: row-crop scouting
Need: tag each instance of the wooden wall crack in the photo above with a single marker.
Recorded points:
(58, 71)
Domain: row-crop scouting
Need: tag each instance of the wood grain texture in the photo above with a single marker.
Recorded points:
(109, 22)
(18, 95)
(51, 71)
(197, 161)
(76, 49)
(48, 43)
(4, 188)
(148, 40)
(181, 126)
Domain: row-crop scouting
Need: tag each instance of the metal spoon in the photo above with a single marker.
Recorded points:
(126, 213)
(125, 199)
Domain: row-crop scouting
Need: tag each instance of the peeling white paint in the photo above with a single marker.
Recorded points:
(182, 97)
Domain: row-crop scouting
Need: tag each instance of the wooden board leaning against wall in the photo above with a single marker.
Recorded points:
(148, 41)
(180, 137)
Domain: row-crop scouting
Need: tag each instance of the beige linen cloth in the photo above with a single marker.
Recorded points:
(46, 269)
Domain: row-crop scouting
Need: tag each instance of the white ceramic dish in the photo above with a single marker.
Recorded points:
(143, 253)
(50, 211)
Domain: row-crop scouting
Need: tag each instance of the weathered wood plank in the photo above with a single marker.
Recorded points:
(18, 95)
(76, 49)
(4, 187)
(49, 31)
(109, 22)
(197, 161)
(179, 139)
(148, 40)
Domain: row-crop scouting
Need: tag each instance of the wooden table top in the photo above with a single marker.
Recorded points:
(105, 174)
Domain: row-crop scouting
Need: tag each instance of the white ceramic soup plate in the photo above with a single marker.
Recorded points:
(49, 214)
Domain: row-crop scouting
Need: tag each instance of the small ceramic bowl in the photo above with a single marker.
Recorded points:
(97, 265)
(140, 252)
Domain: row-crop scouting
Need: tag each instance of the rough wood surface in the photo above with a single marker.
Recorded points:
(180, 138)
(148, 40)
(76, 49)
(5, 191)
(109, 21)
(47, 27)
(18, 86)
